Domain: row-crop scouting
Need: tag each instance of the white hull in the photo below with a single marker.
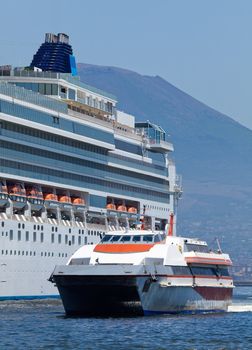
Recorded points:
(118, 290)
(26, 265)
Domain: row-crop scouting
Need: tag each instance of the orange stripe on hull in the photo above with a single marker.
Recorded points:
(208, 261)
(122, 248)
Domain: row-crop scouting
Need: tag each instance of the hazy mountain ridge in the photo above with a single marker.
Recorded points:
(212, 152)
(205, 140)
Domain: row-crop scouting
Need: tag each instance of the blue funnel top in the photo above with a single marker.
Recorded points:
(55, 55)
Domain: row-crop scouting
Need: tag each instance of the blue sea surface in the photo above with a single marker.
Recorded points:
(43, 325)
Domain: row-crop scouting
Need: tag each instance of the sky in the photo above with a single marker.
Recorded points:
(203, 47)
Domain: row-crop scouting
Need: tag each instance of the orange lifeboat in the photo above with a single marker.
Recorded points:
(34, 192)
(50, 197)
(111, 206)
(17, 190)
(78, 201)
(65, 199)
(132, 210)
(121, 208)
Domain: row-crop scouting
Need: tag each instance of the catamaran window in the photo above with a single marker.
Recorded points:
(136, 238)
(203, 271)
(148, 238)
(106, 238)
(126, 238)
(115, 238)
(196, 248)
(222, 271)
(163, 236)
(181, 270)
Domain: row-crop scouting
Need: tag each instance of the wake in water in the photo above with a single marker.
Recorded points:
(240, 308)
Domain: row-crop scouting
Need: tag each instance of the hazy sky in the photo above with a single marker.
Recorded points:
(204, 47)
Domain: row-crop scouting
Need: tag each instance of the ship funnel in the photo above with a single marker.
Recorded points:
(170, 230)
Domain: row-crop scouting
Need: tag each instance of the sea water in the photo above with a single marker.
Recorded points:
(43, 325)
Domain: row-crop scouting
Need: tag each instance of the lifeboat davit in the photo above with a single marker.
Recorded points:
(111, 206)
(3, 187)
(65, 199)
(121, 208)
(132, 210)
(50, 197)
(78, 201)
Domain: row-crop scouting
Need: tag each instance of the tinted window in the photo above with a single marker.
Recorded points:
(126, 238)
(181, 270)
(148, 238)
(115, 238)
(106, 238)
(136, 238)
(196, 248)
(203, 271)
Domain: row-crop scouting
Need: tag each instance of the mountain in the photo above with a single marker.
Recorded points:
(212, 151)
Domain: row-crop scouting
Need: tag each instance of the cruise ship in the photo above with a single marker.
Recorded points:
(72, 167)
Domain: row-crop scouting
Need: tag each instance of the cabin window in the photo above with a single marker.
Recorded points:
(27, 235)
(34, 236)
(19, 235)
(59, 239)
(203, 271)
(106, 238)
(116, 238)
(196, 248)
(181, 270)
(148, 238)
(136, 238)
(41, 237)
(125, 238)
(52, 238)
(11, 235)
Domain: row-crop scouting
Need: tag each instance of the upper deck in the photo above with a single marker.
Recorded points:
(68, 95)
